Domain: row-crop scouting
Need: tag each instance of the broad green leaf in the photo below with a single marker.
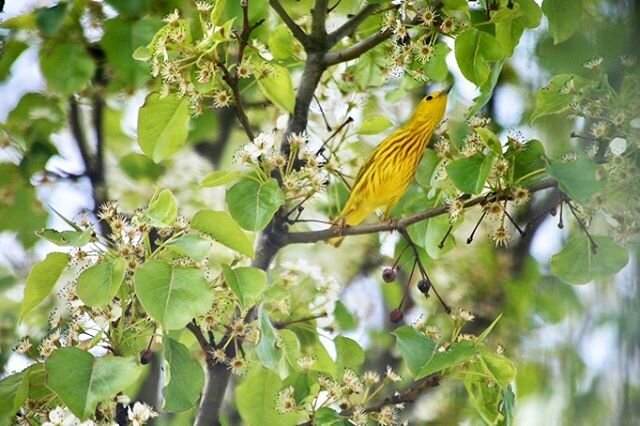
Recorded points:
(577, 178)
(140, 167)
(246, 282)
(349, 354)
(416, 348)
(50, 20)
(183, 377)
(82, 381)
(172, 296)
(576, 263)
(66, 238)
(192, 246)
(14, 390)
(121, 38)
(217, 10)
(344, 318)
(41, 279)
(473, 50)
(436, 229)
(35, 117)
(12, 50)
(98, 284)
(527, 160)
(500, 368)
(268, 350)
(252, 204)
(221, 227)
(55, 56)
(163, 125)
(470, 174)
(368, 70)
(456, 354)
(220, 177)
(278, 88)
(436, 69)
(290, 347)
(557, 95)
(163, 209)
(256, 396)
(484, 398)
(374, 124)
(531, 13)
(564, 17)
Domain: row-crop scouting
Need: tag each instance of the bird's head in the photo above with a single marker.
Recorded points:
(432, 107)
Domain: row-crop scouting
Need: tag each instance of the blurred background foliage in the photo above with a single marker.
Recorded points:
(69, 143)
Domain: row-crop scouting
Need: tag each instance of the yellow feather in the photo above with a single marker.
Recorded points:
(389, 170)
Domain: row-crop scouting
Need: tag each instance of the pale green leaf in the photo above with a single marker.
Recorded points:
(98, 284)
(252, 204)
(222, 228)
(163, 125)
(278, 88)
(163, 209)
(41, 280)
(374, 124)
(474, 49)
(577, 264)
(220, 177)
(246, 282)
(183, 377)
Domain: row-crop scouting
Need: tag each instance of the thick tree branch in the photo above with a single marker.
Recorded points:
(354, 51)
(325, 234)
(348, 28)
(295, 29)
(318, 20)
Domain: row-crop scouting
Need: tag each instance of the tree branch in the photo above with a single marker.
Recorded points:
(318, 20)
(325, 234)
(295, 29)
(354, 51)
(347, 29)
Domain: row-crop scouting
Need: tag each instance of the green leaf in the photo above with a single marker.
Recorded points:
(473, 50)
(349, 354)
(344, 318)
(267, 351)
(374, 124)
(246, 282)
(163, 125)
(577, 178)
(50, 20)
(183, 379)
(290, 347)
(564, 17)
(470, 174)
(490, 139)
(222, 228)
(488, 330)
(281, 43)
(436, 69)
(130, 8)
(435, 230)
(172, 295)
(278, 88)
(456, 354)
(140, 167)
(192, 246)
(414, 346)
(526, 160)
(163, 209)
(252, 204)
(558, 94)
(12, 50)
(54, 57)
(508, 405)
(326, 416)
(121, 38)
(256, 399)
(576, 263)
(93, 380)
(484, 398)
(14, 390)
(220, 177)
(98, 284)
(66, 238)
(498, 367)
(41, 279)
(217, 10)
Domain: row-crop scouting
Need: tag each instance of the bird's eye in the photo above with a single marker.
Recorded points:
(429, 97)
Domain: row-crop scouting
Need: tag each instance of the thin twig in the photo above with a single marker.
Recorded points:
(349, 27)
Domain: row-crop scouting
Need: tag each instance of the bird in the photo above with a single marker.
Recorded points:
(389, 170)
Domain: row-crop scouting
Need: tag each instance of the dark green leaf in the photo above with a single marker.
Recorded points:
(93, 380)
(527, 160)
(98, 284)
(184, 378)
(140, 167)
(55, 56)
(474, 49)
(326, 416)
(470, 174)
(252, 204)
(14, 390)
(50, 19)
(416, 348)
(172, 296)
(456, 354)
(12, 50)
(564, 17)
(576, 263)
(577, 178)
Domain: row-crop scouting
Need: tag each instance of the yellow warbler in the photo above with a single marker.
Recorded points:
(386, 175)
